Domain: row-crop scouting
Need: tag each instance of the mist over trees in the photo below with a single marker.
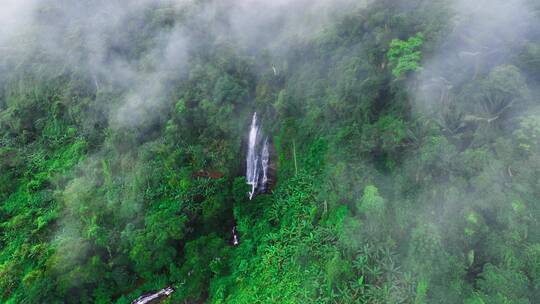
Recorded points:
(405, 137)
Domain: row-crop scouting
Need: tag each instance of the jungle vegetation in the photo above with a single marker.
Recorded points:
(406, 137)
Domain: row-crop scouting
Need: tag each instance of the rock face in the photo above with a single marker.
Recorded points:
(260, 169)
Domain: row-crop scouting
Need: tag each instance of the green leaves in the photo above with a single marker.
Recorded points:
(371, 204)
(337, 271)
(405, 55)
(421, 292)
(503, 285)
(528, 134)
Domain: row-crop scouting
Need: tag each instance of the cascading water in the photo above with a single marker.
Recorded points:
(252, 173)
(152, 297)
(265, 158)
(257, 160)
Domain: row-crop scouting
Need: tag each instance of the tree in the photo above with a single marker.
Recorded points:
(405, 55)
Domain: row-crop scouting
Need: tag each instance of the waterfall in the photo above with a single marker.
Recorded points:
(257, 159)
(265, 158)
(252, 173)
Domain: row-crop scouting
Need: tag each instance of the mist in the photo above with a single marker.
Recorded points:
(126, 125)
(100, 40)
(484, 35)
(97, 36)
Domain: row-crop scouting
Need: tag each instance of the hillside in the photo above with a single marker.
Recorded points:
(400, 143)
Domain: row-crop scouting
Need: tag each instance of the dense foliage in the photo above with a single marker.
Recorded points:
(408, 162)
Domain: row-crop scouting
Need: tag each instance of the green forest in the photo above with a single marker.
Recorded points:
(403, 151)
